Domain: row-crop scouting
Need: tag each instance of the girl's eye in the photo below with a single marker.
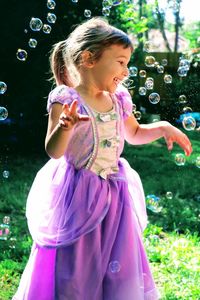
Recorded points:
(121, 63)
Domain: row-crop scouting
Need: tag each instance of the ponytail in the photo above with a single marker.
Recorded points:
(60, 73)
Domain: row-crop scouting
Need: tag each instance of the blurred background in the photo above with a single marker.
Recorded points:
(164, 83)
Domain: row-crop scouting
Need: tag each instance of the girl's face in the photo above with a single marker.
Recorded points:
(111, 68)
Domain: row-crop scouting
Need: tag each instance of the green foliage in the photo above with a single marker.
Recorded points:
(192, 33)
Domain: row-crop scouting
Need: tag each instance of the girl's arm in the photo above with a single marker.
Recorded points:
(62, 119)
(137, 134)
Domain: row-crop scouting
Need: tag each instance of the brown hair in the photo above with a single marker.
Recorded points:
(93, 35)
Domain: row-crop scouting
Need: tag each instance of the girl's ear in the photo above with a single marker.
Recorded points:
(87, 59)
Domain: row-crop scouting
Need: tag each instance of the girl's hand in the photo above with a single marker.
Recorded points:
(69, 116)
(174, 135)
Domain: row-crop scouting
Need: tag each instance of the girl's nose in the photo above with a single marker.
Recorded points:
(126, 71)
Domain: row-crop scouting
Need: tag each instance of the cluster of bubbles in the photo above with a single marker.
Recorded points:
(3, 110)
(37, 25)
(153, 203)
(5, 228)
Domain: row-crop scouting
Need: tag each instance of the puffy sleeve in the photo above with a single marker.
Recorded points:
(61, 94)
(125, 100)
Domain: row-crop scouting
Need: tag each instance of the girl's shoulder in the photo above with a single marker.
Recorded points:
(61, 94)
(125, 100)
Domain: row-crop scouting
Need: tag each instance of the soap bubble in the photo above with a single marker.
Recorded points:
(3, 113)
(3, 87)
(154, 98)
(152, 203)
(182, 72)
(168, 78)
(180, 159)
(107, 3)
(169, 195)
(134, 107)
(75, 1)
(150, 61)
(142, 91)
(160, 69)
(133, 71)
(51, 4)
(142, 73)
(32, 43)
(21, 54)
(149, 83)
(6, 220)
(189, 123)
(105, 11)
(116, 2)
(35, 24)
(87, 13)
(114, 266)
(164, 62)
(197, 162)
(185, 63)
(6, 174)
(51, 18)
(137, 115)
(182, 99)
(46, 28)
(187, 109)
(128, 83)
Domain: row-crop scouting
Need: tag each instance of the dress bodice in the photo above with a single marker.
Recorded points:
(106, 160)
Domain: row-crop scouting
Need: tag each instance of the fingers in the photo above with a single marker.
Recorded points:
(73, 107)
(83, 117)
(169, 144)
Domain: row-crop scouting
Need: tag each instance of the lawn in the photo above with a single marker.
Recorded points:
(171, 238)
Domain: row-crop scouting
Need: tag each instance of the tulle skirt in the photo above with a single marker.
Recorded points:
(87, 237)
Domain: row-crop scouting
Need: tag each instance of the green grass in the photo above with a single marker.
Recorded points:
(171, 239)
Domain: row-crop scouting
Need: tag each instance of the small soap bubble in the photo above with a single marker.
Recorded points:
(105, 11)
(128, 83)
(51, 4)
(36, 24)
(197, 162)
(107, 3)
(87, 13)
(150, 61)
(3, 113)
(147, 46)
(51, 18)
(114, 266)
(21, 54)
(142, 73)
(189, 123)
(182, 72)
(154, 98)
(168, 78)
(3, 87)
(6, 174)
(116, 2)
(6, 220)
(149, 83)
(156, 64)
(187, 109)
(25, 31)
(134, 107)
(133, 71)
(182, 99)
(169, 195)
(164, 62)
(184, 63)
(75, 1)
(160, 69)
(32, 43)
(180, 159)
(46, 28)
(137, 115)
(152, 203)
(12, 243)
(142, 91)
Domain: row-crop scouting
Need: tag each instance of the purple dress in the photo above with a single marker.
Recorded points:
(86, 218)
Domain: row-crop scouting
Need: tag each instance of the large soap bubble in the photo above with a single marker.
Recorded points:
(3, 87)
(36, 24)
(3, 113)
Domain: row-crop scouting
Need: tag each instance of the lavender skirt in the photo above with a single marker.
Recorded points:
(87, 237)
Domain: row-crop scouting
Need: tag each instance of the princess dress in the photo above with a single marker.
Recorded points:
(86, 212)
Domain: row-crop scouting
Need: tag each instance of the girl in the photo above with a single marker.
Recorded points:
(86, 208)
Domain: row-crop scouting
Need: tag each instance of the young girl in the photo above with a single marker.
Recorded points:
(86, 208)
